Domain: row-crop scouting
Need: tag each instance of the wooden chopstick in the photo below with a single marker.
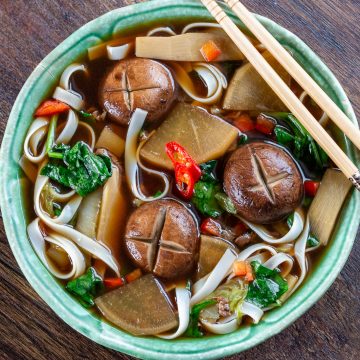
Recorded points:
(296, 71)
(285, 94)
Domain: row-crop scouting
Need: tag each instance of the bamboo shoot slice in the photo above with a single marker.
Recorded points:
(248, 91)
(111, 142)
(112, 217)
(185, 47)
(325, 208)
(204, 136)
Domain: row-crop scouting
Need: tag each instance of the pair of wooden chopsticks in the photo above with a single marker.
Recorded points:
(283, 91)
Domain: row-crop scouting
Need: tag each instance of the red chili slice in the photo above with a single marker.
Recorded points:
(185, 181)
(179, 156)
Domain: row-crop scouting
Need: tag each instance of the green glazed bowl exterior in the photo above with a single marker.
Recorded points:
(39, 84)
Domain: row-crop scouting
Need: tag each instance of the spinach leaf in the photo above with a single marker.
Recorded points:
(78, 168)
(204, 198)
(86, 287)
(300, 141)
(312, 241)
(208, 171)
(267, 287)
(225, 203)
(193, 328)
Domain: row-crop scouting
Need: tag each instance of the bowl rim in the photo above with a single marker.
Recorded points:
(89, 325)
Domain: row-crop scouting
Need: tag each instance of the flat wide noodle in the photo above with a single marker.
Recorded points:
(132, 159)
(209, 283)
(183, 305)
(214, 79)
(39, 124)
(294, 232)
(68, 72)
(93, 247)
(119, 52)
(69, 97)
(76, 257)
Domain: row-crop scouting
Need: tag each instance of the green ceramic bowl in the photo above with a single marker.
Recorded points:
(42, 80)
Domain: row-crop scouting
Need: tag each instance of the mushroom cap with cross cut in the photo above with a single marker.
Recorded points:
(136, 83)
(162, 237)
(264, 182)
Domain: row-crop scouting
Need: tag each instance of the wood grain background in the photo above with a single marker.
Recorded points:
(29, 31)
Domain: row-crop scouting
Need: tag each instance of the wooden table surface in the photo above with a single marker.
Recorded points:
(28, 328)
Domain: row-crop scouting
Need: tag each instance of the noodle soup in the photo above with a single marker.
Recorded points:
(172, 188)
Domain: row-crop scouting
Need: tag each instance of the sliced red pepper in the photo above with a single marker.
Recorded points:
(265, 125)
(244, 123)
(179, 156)
(112, 283)
(210, 227)
(185, 181)
(311, 187)
(51, 107)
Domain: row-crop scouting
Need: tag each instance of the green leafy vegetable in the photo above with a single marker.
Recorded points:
(86, 116)
(193, 329)
(204, 198)
(300, 141)
(283, 136)
(157, 194)
(312, 241)
(58, 151)
(267, 287)
(225, 203)
(79, 168)
(86, 287)
(290, 220)
(57, 209)
(51, 132)
(208, 171)
(242, 139)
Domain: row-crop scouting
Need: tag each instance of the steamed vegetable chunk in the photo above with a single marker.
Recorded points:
(204, 136)
(140, 307)
(248, 91)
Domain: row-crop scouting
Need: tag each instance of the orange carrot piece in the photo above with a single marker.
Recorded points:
(51, 107)
(244, 123)
(249, 274)
(134, 275)
(210, 51)
(112, 283)
(239, 268)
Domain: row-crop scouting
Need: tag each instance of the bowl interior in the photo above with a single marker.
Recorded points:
(45, 76)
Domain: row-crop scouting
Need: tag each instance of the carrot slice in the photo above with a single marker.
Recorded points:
(239, 268)
(134, 275)
(210, 51)
(51, 107)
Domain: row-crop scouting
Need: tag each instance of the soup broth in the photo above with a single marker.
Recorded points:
(171, 188)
